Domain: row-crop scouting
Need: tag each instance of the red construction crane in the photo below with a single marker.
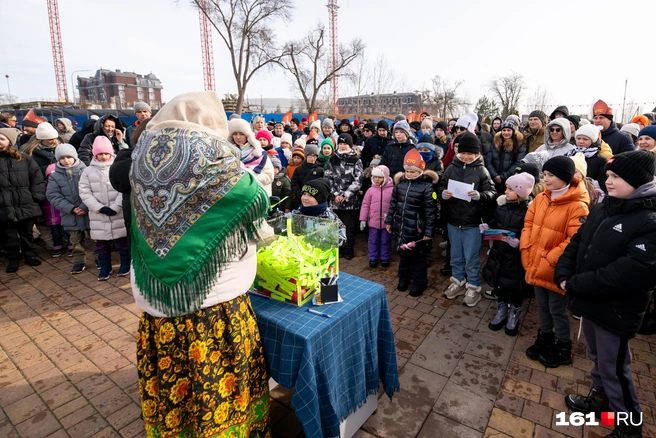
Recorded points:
(57, 50)
(334, 48)
(206, 47)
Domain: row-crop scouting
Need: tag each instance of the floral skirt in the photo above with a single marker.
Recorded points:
(204, 374)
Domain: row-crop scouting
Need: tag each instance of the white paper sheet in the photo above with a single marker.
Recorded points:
(460, 189)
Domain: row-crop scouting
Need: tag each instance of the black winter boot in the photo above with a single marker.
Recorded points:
(12, 266)
(403, 285)
(417, 291)
(595, 401)
(541, 344)
(32, 261)
(558, 354)
(446, 270)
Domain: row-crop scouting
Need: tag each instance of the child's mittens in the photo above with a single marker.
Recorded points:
(483, 227)
(287, 153)
(107, 211)
(475, 195)
(363, 225)
(512, 241)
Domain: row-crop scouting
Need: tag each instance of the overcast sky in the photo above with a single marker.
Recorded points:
(578, 51)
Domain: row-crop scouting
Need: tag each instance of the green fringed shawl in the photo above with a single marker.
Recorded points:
(174, 273)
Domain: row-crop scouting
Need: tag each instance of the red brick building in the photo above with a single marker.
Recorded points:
(116, 89)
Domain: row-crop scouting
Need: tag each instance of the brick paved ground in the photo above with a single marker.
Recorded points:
(67, 364)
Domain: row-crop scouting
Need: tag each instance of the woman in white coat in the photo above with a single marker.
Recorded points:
(252, 155)
(104, 203)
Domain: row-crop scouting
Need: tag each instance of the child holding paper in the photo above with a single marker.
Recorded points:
(503, 269)
(464, 215)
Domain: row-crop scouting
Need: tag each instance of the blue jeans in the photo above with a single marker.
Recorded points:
(465, 248)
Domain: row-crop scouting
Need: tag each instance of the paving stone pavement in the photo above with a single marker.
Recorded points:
(67, 363)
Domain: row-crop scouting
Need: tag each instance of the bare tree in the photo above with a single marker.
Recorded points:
(539, 100)
(383, 79)
(630, 110)
(445, 98)
(508, 91)
(359, 77)
(7, 99)
(245, 26)
(308, 62)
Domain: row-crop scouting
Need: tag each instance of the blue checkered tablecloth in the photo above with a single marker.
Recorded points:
(333, 363)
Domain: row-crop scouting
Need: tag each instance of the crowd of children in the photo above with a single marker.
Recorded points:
(74, 200)
(568, 219)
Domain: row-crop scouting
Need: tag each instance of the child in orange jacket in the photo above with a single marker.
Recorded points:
(552, 219)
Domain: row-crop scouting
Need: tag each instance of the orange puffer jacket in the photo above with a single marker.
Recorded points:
(548, 227)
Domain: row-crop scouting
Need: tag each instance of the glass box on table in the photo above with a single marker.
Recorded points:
(291, 262)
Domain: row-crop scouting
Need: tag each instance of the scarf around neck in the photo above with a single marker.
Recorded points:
(314, 210)
(195, 208)
(587, 152)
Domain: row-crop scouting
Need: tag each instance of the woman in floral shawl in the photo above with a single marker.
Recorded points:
(195, 210)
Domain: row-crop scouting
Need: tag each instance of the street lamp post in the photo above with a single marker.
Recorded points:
(8, 89)
(73, 83)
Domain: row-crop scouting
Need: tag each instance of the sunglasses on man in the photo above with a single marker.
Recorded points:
(555, 129)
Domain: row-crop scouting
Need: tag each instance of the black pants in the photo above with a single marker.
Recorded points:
(611, 373)
(19, 238)
(412, 265)
(350, 220)
(514, 296)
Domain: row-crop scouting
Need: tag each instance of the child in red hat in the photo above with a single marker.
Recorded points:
(412, 218)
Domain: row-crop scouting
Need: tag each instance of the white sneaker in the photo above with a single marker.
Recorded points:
(443, 245)
(455, 289)
(472, 296)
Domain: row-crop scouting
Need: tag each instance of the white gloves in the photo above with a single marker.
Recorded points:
(363, 225)
(475, 195)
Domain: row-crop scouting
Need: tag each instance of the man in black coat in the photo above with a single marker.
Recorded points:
(617, 140)
(142, 111)
(608, 271)
(376, 144)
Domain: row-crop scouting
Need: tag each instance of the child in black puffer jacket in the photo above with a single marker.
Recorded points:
(503, 269)
(412, 218)
(608, 272)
